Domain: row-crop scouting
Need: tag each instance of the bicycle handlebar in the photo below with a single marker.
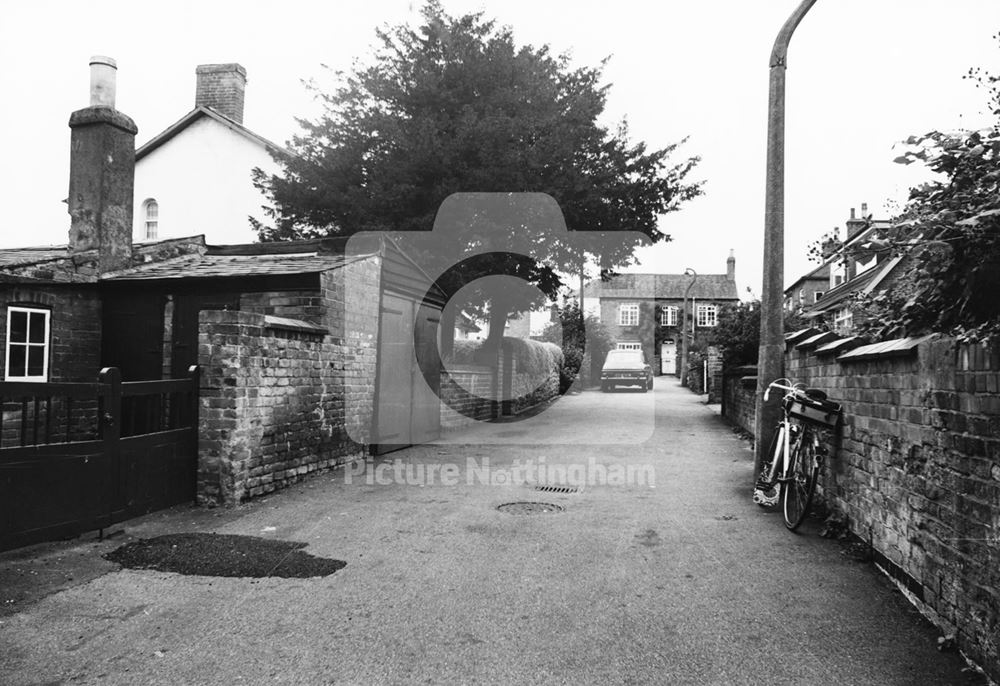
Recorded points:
(775, 384)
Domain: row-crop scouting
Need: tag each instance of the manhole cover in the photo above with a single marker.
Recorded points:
(529, 508)
(558, 489)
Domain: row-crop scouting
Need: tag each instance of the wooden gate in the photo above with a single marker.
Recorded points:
(408, 409)
(71, 460)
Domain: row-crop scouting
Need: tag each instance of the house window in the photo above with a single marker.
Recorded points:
(27, 354)
(151, 209)
(630, 346)
(843, 321)
(817, 295)
(708, 315)
(628, 314)
(668, 316)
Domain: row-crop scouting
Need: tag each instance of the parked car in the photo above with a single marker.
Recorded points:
(626, 368)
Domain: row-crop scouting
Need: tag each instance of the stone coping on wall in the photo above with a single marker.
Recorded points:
(287, 324)
(817, 340)
(840, 345)
(800, 335)
(900, 347)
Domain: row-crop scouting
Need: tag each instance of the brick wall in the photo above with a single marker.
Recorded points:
(74, 355)
(278, 402)
(272, 406)
(738, 397)
(469, 390)
(916, 472)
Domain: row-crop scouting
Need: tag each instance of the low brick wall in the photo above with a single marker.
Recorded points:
(739, 385)
(272, 405)
(917, 471)
(469, 390)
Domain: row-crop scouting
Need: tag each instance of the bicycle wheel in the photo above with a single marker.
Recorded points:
(799, 483)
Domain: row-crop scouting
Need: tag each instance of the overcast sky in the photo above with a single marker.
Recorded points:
(863, 74)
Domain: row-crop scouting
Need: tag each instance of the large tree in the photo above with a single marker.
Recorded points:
(455, 105)
(949, 235)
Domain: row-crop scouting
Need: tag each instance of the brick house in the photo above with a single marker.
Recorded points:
(855, 268)
(807, 290)
(646, 311)
(300, 344)
(195, 176)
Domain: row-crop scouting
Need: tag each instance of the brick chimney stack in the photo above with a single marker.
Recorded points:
(221, 87)
(731, 266)
(855, 224)
(102, 173)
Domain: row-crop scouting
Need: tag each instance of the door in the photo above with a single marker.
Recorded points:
(407, 406)
(668, 357)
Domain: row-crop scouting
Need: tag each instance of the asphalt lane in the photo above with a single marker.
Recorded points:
(659, 570)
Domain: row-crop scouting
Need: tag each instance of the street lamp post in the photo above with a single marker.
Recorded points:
(771, 357)
(684, 325)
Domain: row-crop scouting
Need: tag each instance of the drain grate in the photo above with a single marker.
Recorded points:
(558, 489)
(529, 508)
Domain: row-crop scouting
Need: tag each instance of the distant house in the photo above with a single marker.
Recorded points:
(858, 267)
(195, 176)
(807, 290)
(640, 310)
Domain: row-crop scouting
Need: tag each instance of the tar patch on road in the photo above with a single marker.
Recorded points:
(200, 554)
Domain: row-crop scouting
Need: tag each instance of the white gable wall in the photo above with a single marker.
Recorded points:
(201, 180)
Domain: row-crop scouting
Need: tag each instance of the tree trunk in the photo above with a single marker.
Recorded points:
(500, 309)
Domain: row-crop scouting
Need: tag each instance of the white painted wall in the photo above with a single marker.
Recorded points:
(201, 180)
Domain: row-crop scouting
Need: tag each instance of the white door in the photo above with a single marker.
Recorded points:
(668, 357)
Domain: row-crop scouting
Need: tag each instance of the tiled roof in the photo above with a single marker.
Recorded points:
(666, 286)
(208, 266)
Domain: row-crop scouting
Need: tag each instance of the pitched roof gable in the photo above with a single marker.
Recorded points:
(192, 116)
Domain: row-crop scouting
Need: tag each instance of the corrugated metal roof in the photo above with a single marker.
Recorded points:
(208, 266)
(666, 286)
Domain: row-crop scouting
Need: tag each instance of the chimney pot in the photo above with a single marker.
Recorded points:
(101, 174)
(864, 210)
(103, 80)
(852, 213)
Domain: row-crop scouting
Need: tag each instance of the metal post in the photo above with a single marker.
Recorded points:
(684, 326)
(771, 358)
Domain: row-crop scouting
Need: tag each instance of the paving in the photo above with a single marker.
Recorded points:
(667, 574)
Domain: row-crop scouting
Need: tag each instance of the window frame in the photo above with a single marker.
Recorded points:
(843, 320)
(710, 318)
(45, 345)
(150, 221)
(628, 314)
(669, 315)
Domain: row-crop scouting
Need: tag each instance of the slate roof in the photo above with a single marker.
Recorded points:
(213, 266)
(665, 286)
(820, 273)
(15, 257)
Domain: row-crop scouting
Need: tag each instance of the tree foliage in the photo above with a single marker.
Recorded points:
(456, 105)
(737, 332)
(585, 343)
(949, 234)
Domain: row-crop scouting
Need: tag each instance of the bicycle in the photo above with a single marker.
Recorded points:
(796, 451)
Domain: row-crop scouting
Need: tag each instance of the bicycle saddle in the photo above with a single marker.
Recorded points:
(815, 394)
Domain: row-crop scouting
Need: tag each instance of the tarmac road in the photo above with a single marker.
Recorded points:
(678, 581)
